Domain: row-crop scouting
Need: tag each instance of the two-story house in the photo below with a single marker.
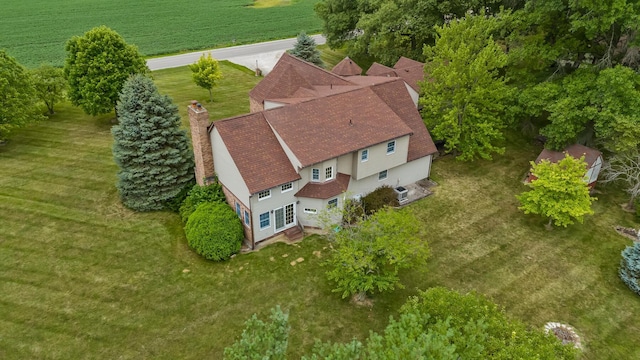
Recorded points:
(312, 138)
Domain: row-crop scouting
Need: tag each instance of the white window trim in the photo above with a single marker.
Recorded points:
(310, 211)
(365, 151)
(247, 219)
(385, 177)
(282, 190)
(318, 179)
(264, 197)
(260, 221)
(394, 147)
(333, 173)
(329, 203)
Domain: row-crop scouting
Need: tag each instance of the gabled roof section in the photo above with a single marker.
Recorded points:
(335, 125)
(395, 95)
(290, 74)
(327, 189)
(256, 151)
(347, 67)
(575, 150)
(410, 71)
(377, 69)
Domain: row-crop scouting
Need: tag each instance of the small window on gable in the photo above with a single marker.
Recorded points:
(364, 155)
(238, 211)
(315, 174)
(286, 187)
(382, 175)
(264, 221)
(247, 221)
(264, 194)
(328, 173)
(391, 147)
(332, 203)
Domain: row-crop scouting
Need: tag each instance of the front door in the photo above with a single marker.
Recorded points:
(285, 217)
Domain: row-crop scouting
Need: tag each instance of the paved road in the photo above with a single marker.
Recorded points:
(266, 53)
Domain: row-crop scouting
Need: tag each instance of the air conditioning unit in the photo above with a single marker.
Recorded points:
(402, 193)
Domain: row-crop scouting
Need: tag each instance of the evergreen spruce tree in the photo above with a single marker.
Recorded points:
(305, 49)
(630, 267)
(149, 147)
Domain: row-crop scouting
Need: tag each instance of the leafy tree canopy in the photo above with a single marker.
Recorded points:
(625, 169)
(206, 73)
(17, 96)
(305, 49)
(149, 147)
(368, 256)
(97, 66)
(558, 191)
(465, 99)
(50, 85)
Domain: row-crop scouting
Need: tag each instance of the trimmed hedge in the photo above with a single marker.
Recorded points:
(379, 198)
(214, 231)
(198, 195)
(630, 267)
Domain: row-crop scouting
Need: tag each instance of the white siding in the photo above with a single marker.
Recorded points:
(305, 173)
(278, 199)
(397, 176)
(379, 159)
(594, 171)
(272, 104)
(414, 94)
(226, 169)
(345, 163)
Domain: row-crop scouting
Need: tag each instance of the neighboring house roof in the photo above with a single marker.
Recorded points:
(347, 67)
(411, 71)
(256, 152)
(335, 125)
(575, 150)
(327, 189)
(289, 75)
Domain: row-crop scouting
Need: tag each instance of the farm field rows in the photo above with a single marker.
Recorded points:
(83, 277)
(35, 31)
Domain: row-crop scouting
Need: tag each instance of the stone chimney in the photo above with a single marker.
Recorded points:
(202, 152)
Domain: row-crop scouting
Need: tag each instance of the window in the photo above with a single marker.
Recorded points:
(332, 203)
(364, 155)
(247, 221)
(328, 173)
(287, 187)
(315, 174)
(238, 209)
(264, 195)
(391, 147)
(264, 221)
(310, 211)
(382, 175)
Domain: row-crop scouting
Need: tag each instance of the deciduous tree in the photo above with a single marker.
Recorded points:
(368, 256)
(97, 66)
(17, 96)
(558, 191)
(50, 85)
(465, 99)
(305, 49)
(624, 168)
(206, 73)
(149, 147)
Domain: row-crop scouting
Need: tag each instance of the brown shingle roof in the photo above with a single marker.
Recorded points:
(327, 189)
(411, 71)
(289, 74)
(256, 152)
(575, 150)
(377, 69)
(395, 95)
(335, 125)
(347, 67)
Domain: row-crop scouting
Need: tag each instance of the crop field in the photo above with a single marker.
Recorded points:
(35, 31)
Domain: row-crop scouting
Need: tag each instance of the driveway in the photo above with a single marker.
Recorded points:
(264, 54)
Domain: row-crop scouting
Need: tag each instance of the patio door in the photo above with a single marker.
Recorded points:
(285, 216)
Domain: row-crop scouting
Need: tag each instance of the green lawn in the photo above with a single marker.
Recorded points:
(35, 31)
(83, 277)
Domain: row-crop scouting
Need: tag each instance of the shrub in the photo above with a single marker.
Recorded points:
(198, 195)
(379, 198)
(352, 211)
(214, 231)
(630, 267)
(175, 203)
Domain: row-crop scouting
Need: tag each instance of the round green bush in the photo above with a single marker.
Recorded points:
(214, 231)
(198, 195)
